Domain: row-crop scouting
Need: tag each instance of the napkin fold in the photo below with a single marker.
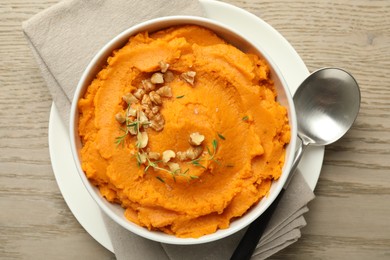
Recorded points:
(65, 37)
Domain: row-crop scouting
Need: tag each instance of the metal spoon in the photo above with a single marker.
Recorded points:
(327, 104)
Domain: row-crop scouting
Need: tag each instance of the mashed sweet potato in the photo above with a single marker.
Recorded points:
(211, 89)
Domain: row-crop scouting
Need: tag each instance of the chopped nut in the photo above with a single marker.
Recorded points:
(189, 76)
(190, 154)
(155, 98)
(150, 114)
(132, 130)
(155, 110)
(147, 110)
(168, 155)
(174, 167)
(182, 156)
(163, 66)
(147, 85)
(142, 139)
(194, 152)
(157, 122)
(139, 93)
(142, 118)
(131, 112)
(154, 155)
(157, 78)
(129, 98)
(141, 158)
(146, 100)
(168, 76)
(146, 107)
(196, 139)
(164, 91)
(120, 118)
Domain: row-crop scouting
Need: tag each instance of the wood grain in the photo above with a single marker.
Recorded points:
(349, 217)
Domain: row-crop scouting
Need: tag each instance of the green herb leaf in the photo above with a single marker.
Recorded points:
(221, 136)
(178, 97)
(134, 123)
(139, 162)
(160, 179)
(208, 150)
(120, 140)
(216, 161)
(197, 163)
(215, 144)
(245, 118)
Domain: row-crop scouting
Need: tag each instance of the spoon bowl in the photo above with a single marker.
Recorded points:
(327, 104)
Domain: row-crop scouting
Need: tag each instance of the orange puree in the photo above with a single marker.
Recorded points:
(232, 103)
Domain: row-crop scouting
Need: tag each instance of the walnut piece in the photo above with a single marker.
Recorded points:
(129, 98)
(196, 139)
(165, 91)
(194, 152)
(189, 77)
(146, 100)
(132, 130)
(154, 155)
(191, 153)
(157, 122)
(168, 76)
(142, 158)
(143, 120)
(182, 156)
(147, 85)
(139, 93)
(155, 110)
(168, 155)
(131, 112)
(155, 98)
(120, 117)
(173, 167)
(142, 139)
(157, 78)
(163, 66)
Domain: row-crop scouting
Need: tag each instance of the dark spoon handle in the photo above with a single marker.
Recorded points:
(251, 238)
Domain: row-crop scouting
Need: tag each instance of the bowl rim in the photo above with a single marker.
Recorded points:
(103, 54)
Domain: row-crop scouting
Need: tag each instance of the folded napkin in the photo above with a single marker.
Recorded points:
(65, 37)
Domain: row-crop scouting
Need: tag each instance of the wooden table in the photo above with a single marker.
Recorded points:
(350, 218)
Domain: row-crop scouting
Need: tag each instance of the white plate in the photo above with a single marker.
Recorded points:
(283, 54)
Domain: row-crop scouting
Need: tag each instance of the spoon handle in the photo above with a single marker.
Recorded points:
(251, 238)
(297, 158)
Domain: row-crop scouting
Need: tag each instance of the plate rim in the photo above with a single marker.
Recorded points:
(57, 127)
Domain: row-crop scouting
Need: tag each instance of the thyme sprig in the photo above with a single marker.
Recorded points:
(155, 165)
(211, 155)
(121, 139)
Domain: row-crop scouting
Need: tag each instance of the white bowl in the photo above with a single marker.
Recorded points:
(115, 212)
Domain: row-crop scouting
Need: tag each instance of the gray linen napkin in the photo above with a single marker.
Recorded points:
(65, 37)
